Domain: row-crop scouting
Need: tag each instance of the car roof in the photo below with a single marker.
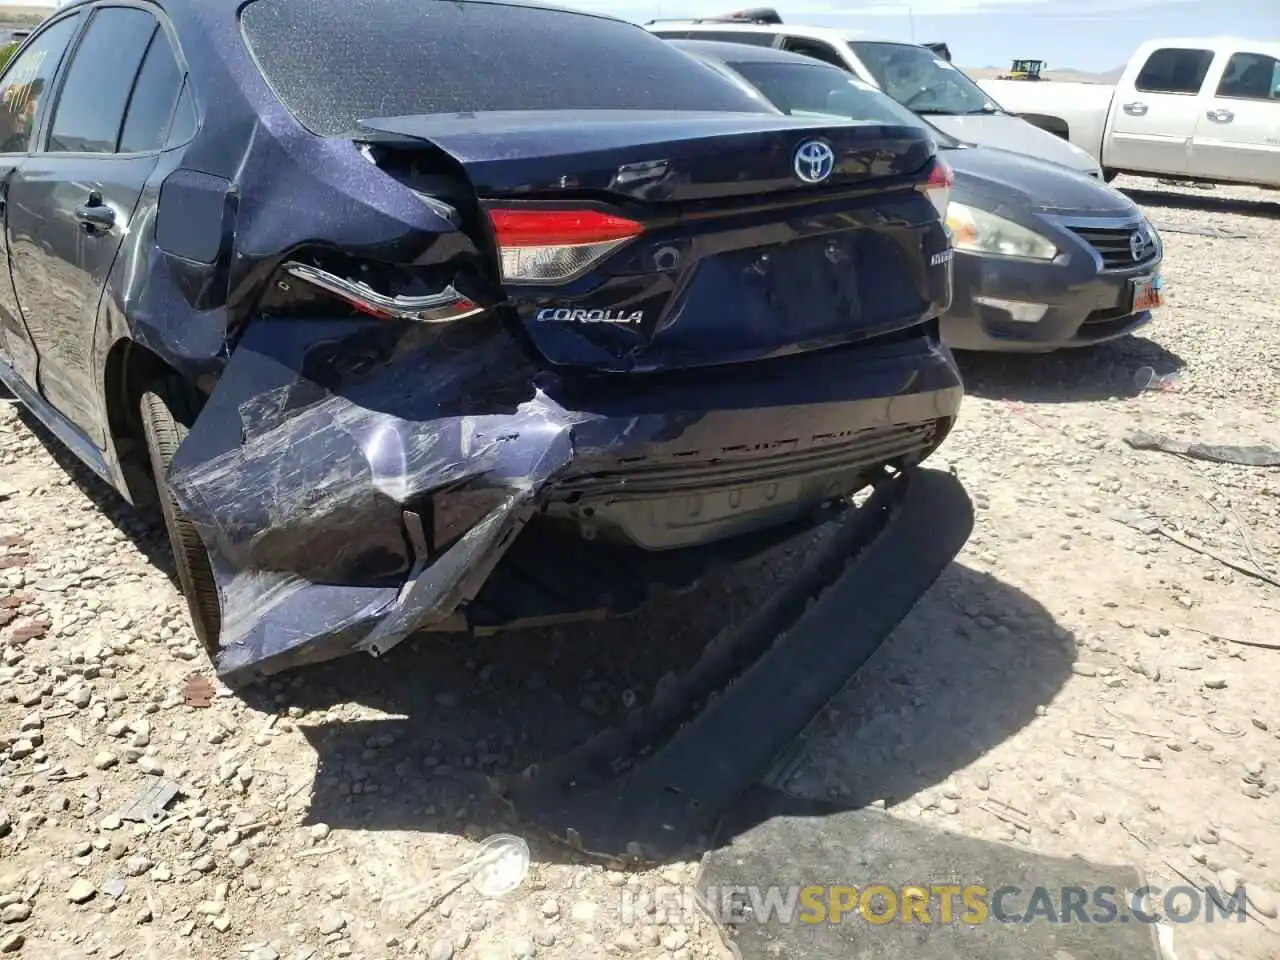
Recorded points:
(731, 52)
(795, 30)
(234, 6)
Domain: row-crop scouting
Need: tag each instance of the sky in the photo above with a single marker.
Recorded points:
(1089, 35)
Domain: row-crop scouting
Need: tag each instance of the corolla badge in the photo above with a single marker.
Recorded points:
(814, 161)
(578, 315)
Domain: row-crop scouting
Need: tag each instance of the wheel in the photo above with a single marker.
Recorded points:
(1109, 175)
(168, 410)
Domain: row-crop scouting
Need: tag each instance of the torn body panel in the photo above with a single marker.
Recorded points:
(355, 481)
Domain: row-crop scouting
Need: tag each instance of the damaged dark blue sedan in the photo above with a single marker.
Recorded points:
(453, 315)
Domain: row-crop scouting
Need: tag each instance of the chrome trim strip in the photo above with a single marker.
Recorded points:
(1130, 223)
(443, 307)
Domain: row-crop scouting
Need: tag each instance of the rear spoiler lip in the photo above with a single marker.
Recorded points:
(515, 156)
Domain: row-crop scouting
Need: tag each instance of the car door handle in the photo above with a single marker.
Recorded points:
(95, 215)
(1135, 109)
(1220, 116)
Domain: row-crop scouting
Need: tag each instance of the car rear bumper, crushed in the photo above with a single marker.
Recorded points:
(355, 482)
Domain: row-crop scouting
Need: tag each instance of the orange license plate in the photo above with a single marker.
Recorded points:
(1148, 293)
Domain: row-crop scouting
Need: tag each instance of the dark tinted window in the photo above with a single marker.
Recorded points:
(921, 80)
(735, 36)
(91, 104)
(724, 72)
(813, 48)
(1173, 70)
(802, 90)
(26, 84)
(333, 64)
(1251, 76)
(146, 124)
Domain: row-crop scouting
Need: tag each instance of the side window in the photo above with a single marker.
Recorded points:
(146, 123)
(816, 49)
(1174, 70)
(26, 84)
(755, 38)
(1251, 76)
(91, 103)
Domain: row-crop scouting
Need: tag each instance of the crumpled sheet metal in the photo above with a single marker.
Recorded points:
(319, 437)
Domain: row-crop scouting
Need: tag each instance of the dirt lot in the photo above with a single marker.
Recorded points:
(1115, 687)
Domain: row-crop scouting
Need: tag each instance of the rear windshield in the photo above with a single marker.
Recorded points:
(333, 64)
(922, 81)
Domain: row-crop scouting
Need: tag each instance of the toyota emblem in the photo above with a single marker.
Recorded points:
(1138, 244)
(814, 161)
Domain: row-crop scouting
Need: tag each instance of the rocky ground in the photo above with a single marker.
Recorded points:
(1107, 692)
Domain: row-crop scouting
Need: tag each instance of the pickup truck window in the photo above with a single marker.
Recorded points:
(922, 81)
(1251, 76)
(1174, 70)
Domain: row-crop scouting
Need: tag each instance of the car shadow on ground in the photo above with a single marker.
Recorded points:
(965, 670)
(466, 710)
(143, 525)
(1206, 202)
(458, 711)
(1102, 372)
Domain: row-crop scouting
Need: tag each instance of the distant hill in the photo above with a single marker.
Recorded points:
(1066, 73)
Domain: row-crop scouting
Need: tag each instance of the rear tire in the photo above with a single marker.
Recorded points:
(168, 409)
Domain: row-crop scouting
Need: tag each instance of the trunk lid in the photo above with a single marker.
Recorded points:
(651, 156)
(679, 240)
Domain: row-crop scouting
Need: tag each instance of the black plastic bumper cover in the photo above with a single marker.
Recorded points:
(356, 481)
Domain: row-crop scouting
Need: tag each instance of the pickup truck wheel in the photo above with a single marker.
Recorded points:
(168, 410)
(1109, 175)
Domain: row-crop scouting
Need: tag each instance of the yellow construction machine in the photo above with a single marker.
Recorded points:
(1024, 70)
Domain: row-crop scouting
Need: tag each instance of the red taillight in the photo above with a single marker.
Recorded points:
(938, 187)
(546, 246)
(942, 175)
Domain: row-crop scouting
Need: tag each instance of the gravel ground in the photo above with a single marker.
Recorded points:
(1114, 686)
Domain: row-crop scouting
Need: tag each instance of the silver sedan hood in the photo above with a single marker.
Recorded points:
(1017, 136)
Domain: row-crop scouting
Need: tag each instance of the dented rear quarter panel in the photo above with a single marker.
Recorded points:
(355, 480)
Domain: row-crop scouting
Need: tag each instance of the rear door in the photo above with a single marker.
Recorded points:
(71, 201)
(1154, 113)
(1238, 128)
(25, 94)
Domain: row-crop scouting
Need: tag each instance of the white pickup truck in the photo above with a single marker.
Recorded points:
(1203, 109)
